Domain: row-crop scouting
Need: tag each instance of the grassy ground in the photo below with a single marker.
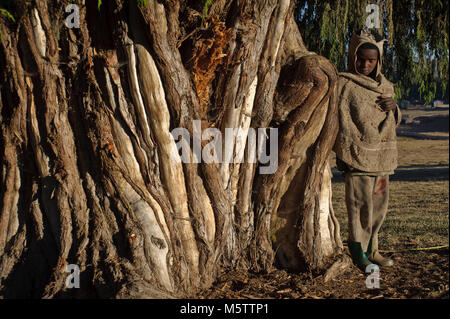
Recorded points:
(418, 214)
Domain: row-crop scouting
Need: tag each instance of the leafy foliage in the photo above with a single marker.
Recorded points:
(4, 12)
(5, 8)
(7, 14)
(206, 4)
(417, 55)
(142, 3)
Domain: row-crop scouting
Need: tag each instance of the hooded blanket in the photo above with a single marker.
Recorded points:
(366, 139)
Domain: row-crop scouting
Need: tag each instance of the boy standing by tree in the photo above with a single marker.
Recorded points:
(366, 147)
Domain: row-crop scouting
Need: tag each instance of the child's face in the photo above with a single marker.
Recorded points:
(366, 60)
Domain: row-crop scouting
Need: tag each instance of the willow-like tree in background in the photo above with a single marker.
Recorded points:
(417, 53)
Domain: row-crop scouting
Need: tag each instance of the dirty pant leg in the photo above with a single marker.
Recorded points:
(367, 201)
(380, 201)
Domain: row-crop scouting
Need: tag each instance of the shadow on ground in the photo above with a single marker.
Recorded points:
(413, 173)
(429, 127)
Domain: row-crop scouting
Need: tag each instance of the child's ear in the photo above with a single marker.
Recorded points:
(380, 47)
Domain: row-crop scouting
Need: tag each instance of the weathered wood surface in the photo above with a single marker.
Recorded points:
(87, 169)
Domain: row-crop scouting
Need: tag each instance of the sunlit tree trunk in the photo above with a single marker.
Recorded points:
(90, 173)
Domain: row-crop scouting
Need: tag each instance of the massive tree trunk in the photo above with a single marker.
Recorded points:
(90, 173)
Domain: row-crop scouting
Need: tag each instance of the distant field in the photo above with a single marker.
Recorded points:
(419, 191)
(424, 111)
(425, 123)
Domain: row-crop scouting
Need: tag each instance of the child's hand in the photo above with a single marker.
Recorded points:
(386, 103)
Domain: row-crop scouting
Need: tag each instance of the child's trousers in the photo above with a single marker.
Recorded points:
(367, 202)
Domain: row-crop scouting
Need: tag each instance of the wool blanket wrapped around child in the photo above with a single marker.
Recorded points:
(366, 140)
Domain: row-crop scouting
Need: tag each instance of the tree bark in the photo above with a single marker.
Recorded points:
(90, 173)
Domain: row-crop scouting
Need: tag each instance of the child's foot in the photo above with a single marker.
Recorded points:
(380, 260)
(358, 256)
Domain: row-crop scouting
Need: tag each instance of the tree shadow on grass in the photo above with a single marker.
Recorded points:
(413, 173)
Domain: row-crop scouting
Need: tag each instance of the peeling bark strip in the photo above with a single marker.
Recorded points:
(172, 173)
(86, 149)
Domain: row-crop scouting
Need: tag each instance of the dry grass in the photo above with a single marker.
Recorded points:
(413, 152)
(418, 215)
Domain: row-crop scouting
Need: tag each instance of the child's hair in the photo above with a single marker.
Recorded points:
(368, 45)
(376, 36)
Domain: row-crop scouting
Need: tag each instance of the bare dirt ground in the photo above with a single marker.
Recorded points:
(418, 221)
(414, 275)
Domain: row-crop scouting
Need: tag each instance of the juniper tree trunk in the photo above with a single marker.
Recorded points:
(90, 173)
